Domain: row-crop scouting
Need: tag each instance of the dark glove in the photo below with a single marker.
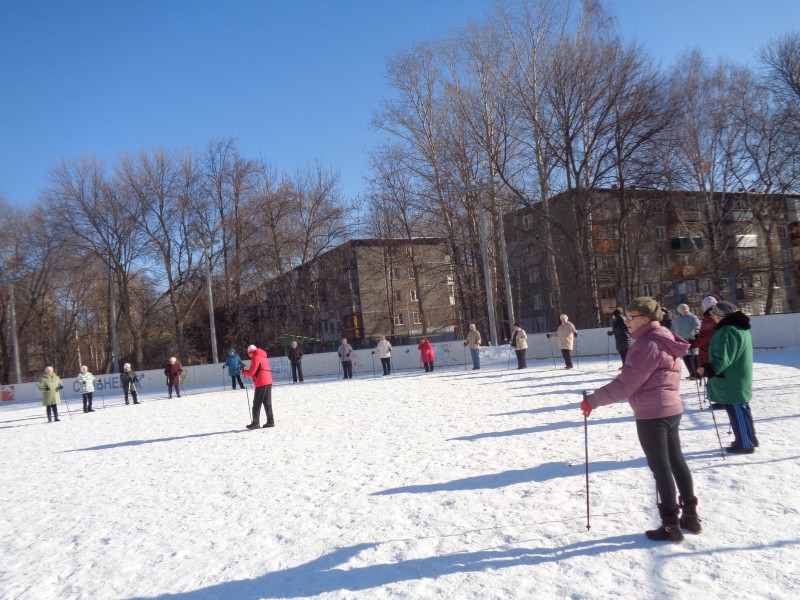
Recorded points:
(610, 333)
(241, 367)
(46, 389)
(575, 334)
(586, 408)
(465, 343)
(59, 388)
(548, 336)
(373, 351)
(136, 378)
(223, 366)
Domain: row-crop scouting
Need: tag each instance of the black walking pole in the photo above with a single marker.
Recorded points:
(373, 364)
(721, 450)
(549, 345)
(586, 446)
(699, 395)
(608, 352)
(508, 362)
(465, 356)
(577, 360)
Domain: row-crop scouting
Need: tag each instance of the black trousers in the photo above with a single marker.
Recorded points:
(130, 388)
(177, 390)
(690, 360)
(52, 409)
(87, 401)
(234, 379)
(567, 358)
(347, 369)
(521, 361)
(386, 363)
(297, 372)
(661, 443)
(428, 366)
(263, 397)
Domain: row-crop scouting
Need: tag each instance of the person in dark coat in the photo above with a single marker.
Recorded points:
(128, 377)
(235, 366)
(427, 355)
(296, 360)
(519, 342)
(262, 380)
(345, 353)
(707, 326)
(622, 336)
(173, 372)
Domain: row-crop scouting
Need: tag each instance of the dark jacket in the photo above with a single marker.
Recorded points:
(295, 355)
(703, 339)
(127, 378)
(621, 333)
(173, 373)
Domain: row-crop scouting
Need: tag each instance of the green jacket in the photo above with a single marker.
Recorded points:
(50, 385)
(730, 356)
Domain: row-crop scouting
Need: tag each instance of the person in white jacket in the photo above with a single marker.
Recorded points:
(86, 382)
(384, 349)
(566, 333)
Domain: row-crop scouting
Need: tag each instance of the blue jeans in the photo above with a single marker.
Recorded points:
(476, 358)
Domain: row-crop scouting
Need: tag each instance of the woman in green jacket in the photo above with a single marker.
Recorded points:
(50, 385)
(730, 373)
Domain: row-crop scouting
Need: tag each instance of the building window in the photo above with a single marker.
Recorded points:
(527, 222)
(661, 233)
(415, 318)
(414, 297)
(547, 272)
(552, 301)
(757, 281)
(669, 291)
(746, 308)
(529, 249)
(705, 285)
(398, 318)
(397, 272)
(783, 232)
(398, 296)
(447, 259)
(746, 253)
(608, 231)
(683, 260)
(533, 275)
(647, 289)
(537, 302)
(411, 272)
(777, 306)
(451, 291)
(606, 261)
(645, 260)
(761, 307)
(687, 287)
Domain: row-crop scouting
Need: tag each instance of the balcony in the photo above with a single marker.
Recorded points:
(686, 244)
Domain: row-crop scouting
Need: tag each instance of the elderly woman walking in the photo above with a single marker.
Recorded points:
(50, 386)
(566, 333)
(650, 380)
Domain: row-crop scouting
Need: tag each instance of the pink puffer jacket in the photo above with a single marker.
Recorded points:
(651, 377)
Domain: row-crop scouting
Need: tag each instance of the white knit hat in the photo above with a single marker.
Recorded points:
(708, 302)
(251, 348)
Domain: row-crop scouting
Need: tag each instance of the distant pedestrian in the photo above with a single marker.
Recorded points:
(86, 386)
(50, 386)
(566, 333)
(687, 325)
(519, 342)
(651, 381)
(730, 373)
(667, 320)
(474, 343)
(707, 327)
(173, 371)
(296, 361)
(384, 349)
(622, 337)
(234, 364)
(128, 377)
(262, 380)
(426, 354)
(345, 353)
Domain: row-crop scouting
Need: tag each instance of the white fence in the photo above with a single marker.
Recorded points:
(769, 331)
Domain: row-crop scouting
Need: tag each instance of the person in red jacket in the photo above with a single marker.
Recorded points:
(262, 380)
(427, 354)
(703, 338)
(173, 372)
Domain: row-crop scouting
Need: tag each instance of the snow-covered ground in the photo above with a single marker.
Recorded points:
(455, 484)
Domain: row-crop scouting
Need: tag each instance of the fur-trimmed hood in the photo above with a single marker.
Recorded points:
(737, 319)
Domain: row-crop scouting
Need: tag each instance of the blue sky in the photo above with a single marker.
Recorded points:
(295, 81)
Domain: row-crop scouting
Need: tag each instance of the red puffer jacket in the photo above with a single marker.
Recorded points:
(259, 369)
(426, 351)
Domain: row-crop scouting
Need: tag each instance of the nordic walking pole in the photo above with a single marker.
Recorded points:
(577, 359)
(373, 364)
(586, 446)
(465, 356)
(549, 345)
(721, 450)
(69, 412)
(608, 352)
(508, 362)
(699, 395)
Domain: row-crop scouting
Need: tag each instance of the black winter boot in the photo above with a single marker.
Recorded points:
(670, 530)
(689, 519)
(256, 424)
(55, 413)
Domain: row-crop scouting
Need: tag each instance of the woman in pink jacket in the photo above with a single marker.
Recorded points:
(650, 380)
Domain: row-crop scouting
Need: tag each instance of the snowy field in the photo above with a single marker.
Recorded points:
(455, 484)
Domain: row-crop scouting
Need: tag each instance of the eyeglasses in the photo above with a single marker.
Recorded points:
(631, 317)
